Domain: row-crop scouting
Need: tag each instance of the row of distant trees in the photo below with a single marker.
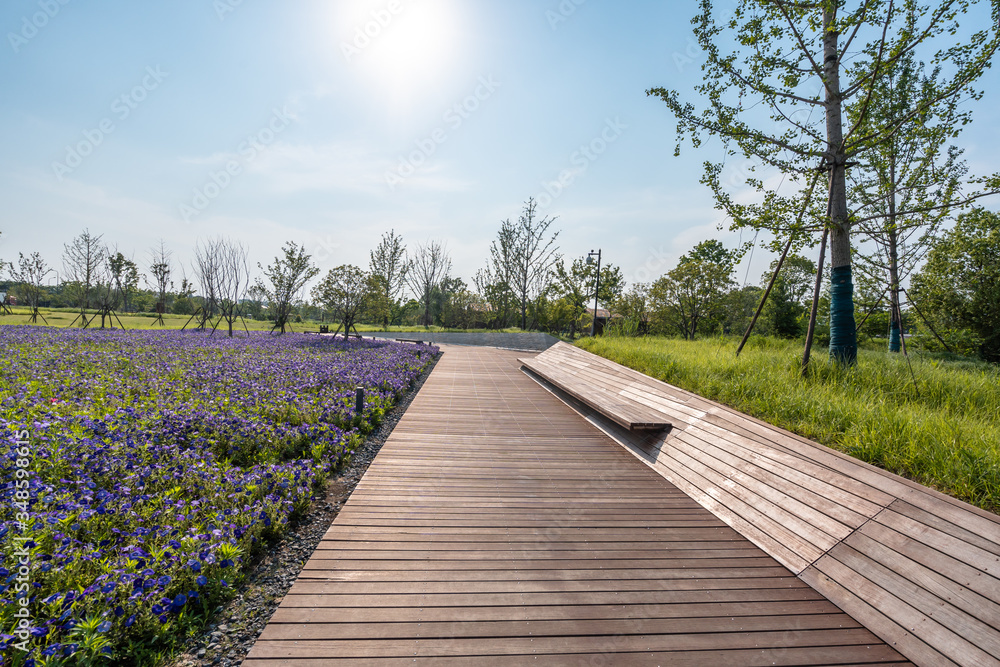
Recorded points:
(953, 300)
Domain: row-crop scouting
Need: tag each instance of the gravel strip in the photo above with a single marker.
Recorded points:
(234, 628)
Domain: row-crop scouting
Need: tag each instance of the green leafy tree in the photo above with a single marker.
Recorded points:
(28, 275)
(344, 291)
(779, 96)
(286, 277)
(576, 284)
(907, 186)
(125, 276)
(388, 267)
(691, 297)
(785, 312)
(183, 302)
(959, 286)
(631, 309)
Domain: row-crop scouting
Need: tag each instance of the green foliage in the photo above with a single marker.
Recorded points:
(286, 277)
(691, 297)
(786, 312)
(947, 436)
(576, 285)
(388, 267)
(959, 286)
(344, 291)
(791, 85)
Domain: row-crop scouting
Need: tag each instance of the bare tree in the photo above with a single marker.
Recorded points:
(345, 290)
(533, 256)
(160, 269)
(429, 265)
(207, 269)
(83, 260)
(233, 281)
(287, 276)
(388, 268)
(28, 274)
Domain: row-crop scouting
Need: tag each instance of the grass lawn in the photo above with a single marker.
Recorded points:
(944, 433)
(64, 317)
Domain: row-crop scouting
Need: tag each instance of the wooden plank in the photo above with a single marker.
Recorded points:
(910, 606)
(627, 414)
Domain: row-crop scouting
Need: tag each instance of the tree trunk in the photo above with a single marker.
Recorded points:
(843, 337)
(895, 326)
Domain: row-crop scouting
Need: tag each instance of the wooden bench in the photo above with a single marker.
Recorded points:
(410, 340)
(918, 568)
(606, 398)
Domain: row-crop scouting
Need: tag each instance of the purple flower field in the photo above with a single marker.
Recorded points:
(140, 469)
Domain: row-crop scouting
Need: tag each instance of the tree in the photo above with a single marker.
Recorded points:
(344, 291)
(388, 266)
(496, 281)
(160, 269)
(784, 313)
(233, 281)
(632, 306)
(576, 285)
(692, 294)
(124, 275)
(28, 274)
(784, 52)
(183, 304)
(959, 286)
(83, 260)
(531, 256)
(224, 277)
(429, 265)
(207, 269)
(912, 171)
(286, 277)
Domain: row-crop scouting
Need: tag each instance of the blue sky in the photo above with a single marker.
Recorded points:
(328, 123)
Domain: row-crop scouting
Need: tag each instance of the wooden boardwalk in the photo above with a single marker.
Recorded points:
(498, 527)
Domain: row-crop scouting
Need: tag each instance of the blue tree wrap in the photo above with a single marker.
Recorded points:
(894, 345)
(843, 337)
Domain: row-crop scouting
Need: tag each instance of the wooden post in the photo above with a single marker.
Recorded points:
(815, 304)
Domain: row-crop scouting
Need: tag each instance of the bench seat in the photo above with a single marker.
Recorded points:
(605, 399)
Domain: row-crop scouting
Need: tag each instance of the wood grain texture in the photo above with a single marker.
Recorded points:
(496, 526)
(920, 569)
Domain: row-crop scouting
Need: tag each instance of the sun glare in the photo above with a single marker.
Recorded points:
(401, 47)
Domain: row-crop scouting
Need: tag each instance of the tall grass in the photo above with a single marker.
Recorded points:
(942, 431)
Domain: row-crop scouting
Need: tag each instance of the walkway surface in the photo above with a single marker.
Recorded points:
(496, 526)
(511, 341)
